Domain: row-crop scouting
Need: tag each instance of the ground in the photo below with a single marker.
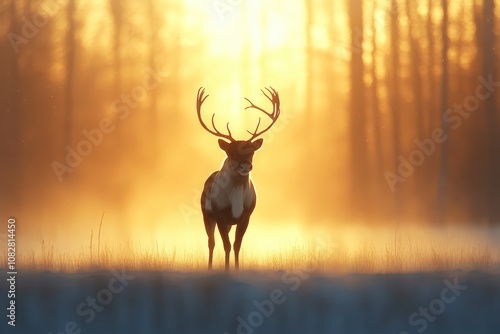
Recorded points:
(255, 302)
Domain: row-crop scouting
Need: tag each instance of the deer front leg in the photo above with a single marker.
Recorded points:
(224, 233)
(210, 227)
(240, 232)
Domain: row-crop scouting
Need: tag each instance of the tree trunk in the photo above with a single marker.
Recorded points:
(309, 66)
(418, 109)
(415, 73)
(10, 125)
(489, 69)
(443, 161)
(154, 26)
(70, 60)
(357, 112)
(380, 205)
(117, 13)
(430, 121)
(394, 102)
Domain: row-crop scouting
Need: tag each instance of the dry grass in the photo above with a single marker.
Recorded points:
(381, 252)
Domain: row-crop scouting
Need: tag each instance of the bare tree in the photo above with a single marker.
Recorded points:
(375, 97)
(443, 161)
(489, 71)
(357, 109)
(117, 15)
(10, 115)
(461, 45)
(416, 78)
(154, 26)
(418, 108)
(394, 97)
(70, 62)
(309, 13)
(431, 64)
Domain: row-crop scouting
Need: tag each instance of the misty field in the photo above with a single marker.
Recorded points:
(400, 249)
(401, 280)
(375, 180)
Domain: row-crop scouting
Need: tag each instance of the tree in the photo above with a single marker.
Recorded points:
(375, 99)
(70, 62)
(10, 115)
(154, 26)
(394, 102)
(417, 106)
(416, 79)
(443, 161)
(357, 126)
(117, 15)
(489, 71)
(309, 13)
(430, 73)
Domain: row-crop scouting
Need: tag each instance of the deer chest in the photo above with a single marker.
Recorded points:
(234, 200)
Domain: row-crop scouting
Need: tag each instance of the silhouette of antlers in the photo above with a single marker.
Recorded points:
(273, 97)
(275, 100)
(199, 101)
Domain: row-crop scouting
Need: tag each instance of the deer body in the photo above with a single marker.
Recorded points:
(226, 202)
(228, 196)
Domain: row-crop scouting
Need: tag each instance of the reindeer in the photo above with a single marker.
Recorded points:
(228, 196)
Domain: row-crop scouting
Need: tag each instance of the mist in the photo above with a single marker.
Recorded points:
(389, 114)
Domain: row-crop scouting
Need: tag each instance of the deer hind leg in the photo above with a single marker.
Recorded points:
(240, 232)
(224, 233)
(210, 228)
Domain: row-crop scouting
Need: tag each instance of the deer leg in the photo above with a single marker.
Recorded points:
(240, 232)
(224, 233)
(210, 228)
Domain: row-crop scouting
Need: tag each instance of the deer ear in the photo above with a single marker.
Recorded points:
(223, 145)
(257, 144)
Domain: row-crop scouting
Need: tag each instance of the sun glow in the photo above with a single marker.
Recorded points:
(148, 172)
(359, 249)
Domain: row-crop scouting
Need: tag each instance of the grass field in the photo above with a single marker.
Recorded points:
(361, 280)
(360, 250)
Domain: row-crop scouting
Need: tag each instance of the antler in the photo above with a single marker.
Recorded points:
(199, 101)
(275, 100)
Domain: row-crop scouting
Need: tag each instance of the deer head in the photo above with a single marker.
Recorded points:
(240, 152)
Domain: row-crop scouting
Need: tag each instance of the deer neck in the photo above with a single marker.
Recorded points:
(228, 181)
(231, 175)
(232, 189)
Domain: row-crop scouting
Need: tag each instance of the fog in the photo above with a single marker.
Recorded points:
(388, 115)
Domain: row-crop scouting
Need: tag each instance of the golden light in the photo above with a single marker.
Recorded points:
(147, 175)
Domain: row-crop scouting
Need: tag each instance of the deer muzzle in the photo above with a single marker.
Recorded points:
(245, 168)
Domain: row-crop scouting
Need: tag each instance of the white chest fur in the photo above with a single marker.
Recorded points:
(237, 196)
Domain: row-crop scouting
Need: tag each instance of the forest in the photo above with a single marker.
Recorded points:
(389, 108)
